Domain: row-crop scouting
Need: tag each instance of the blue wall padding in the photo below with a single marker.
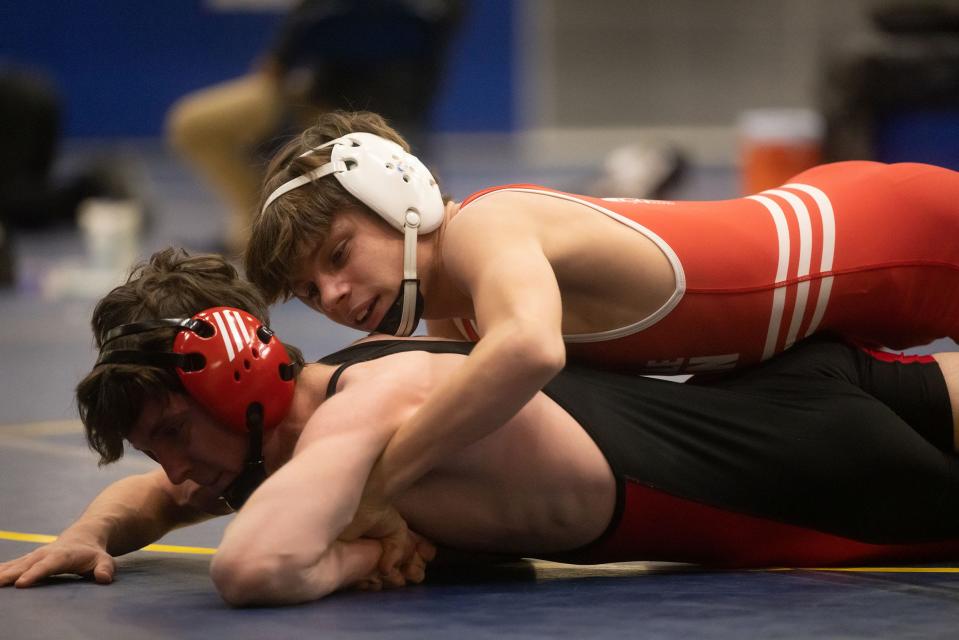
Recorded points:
(120, 64)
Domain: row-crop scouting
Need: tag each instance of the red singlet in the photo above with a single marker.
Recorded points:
(863, 249)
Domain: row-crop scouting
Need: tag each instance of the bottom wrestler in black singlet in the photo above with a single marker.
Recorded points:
(825, 454)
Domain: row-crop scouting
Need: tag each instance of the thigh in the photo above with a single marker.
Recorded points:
(912, 387)
(242, 111)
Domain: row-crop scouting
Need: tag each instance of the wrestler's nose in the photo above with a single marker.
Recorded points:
(334, 296)
(175, 466)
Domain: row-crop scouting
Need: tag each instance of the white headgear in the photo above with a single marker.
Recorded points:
(394, 184)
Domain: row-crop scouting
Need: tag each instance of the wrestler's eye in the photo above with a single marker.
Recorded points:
(306, 292)
(339, 255)
(171, 432)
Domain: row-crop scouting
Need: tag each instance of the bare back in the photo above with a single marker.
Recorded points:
(537, 484)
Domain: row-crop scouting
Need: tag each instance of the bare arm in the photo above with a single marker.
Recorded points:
(516, 297)
(282, 547)
(126, 516)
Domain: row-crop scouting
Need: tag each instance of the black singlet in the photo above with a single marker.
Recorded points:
(825, 453)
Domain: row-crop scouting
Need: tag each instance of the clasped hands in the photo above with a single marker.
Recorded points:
(405, 553)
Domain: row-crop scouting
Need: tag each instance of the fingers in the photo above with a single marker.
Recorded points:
(426, 549)
(103, 572)
(407, 554)
(13, 572)
(45, 562)
(415, 569)
(46, 566)
(412, 571)
(393, 580)
(394, 552)
(10, 571)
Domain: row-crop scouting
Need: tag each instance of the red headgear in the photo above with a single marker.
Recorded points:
(227, 360)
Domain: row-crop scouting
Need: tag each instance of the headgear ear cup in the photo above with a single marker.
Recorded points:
(226, 359)
(244, 365)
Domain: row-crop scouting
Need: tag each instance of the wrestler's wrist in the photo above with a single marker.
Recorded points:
(84, 535)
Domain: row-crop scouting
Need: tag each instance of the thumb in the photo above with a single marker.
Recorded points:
(104, 569)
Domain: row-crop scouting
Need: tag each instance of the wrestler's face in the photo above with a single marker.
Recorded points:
(189, 444)
(353, 275)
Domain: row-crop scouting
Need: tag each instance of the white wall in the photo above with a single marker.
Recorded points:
(600, 73)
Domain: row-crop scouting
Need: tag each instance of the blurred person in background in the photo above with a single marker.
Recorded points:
(32, 195)
(384, 55)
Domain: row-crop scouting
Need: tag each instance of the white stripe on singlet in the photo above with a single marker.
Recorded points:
(779, 293)
(805, 254)
(828, 218)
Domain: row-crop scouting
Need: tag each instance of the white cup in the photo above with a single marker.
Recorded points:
(111, 231)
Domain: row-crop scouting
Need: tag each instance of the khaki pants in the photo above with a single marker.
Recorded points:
(217, 130)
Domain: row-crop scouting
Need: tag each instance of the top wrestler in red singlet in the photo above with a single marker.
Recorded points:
(863, 249)
(867, 250)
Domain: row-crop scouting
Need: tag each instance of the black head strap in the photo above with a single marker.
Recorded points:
(199, 327)
(164, 359)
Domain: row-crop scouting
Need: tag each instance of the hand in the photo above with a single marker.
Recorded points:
(61, 556)
(412, 570)
(380, 521)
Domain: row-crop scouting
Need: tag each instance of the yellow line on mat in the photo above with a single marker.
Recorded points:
(159, 548)
(208, 551)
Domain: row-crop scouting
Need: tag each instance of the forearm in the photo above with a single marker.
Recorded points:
(342, 565)
(128, 515)
(504, 372)
(281, 548)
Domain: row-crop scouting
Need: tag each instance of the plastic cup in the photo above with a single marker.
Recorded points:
(776, 144)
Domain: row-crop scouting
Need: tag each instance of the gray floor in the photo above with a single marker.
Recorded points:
(47, 475)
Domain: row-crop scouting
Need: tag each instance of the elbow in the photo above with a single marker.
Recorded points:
(541, 353)
(245, 580)
(240, 582)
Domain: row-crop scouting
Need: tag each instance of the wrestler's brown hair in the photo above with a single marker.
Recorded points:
(171, 284)
(294, 224)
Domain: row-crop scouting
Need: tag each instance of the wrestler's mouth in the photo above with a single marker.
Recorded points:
(364, 318)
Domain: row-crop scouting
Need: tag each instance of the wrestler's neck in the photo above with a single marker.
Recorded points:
(308, 395)
(443, 297)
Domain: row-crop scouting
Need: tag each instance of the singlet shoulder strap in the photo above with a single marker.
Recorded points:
(505, 187)
(366, 351)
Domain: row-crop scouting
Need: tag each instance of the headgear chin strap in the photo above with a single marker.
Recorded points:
(233, 366)
(397, 320)
(398, 187)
